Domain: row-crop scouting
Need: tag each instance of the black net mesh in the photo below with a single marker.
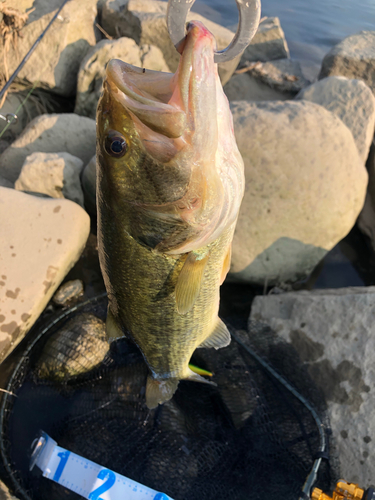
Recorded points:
(249, 437)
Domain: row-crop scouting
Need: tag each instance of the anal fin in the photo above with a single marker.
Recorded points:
(112, 328)
(159, 391)
(220, 337)
(189, 282)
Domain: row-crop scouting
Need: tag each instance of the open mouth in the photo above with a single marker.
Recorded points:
(146, 94)
(162, 101)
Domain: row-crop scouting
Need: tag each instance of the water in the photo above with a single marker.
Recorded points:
(311, 27)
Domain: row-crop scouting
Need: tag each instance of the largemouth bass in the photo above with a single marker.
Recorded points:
(169, 186)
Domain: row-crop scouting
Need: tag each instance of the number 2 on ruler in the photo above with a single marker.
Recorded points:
(110, 477)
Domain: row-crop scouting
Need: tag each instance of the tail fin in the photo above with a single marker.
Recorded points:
(160, 391)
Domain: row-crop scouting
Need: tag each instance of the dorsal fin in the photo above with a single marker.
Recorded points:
(189, 281)
(220, 337)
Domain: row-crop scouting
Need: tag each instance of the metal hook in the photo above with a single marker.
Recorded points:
(249, 16)
(10, 118)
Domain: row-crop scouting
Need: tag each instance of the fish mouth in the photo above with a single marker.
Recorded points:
(166, 103)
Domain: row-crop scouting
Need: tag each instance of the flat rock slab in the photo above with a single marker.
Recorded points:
(353, 57)
(41, 240)
(352, 101)
(334, 334)
(305, 186)
(50, 133)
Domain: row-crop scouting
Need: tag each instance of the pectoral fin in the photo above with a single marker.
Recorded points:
(220, 337)
(189, 282)
(112, 328)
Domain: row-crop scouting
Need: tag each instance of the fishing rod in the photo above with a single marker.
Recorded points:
(27, 56)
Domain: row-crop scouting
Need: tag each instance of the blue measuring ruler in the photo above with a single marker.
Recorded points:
(88, 479)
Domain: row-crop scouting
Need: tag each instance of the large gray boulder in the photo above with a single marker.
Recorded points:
(269, 43)
(352, 101)
(92, 69)
(55, 62)
(50, 134)
(41, 241)
(305, 186)
(145, 22)
(334, 333)
(54, 174)
(353, 57)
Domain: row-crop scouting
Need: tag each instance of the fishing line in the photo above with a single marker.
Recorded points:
(27, 56)
(6, 87)
(14, 116)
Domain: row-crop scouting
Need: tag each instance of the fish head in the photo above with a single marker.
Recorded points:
(166, 144)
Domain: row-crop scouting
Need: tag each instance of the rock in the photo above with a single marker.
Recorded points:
(268, 43)
(89, 186)
(78, 347)
(72, 34)
(42, 240)
(5, 183)
(3, 145)
(305, 186)
(50, 134)
(353, 57)
(283, 75)
(334, 334)
(68, 292)
(244, 87)
(152, 58)
(366, 219)
(144, 21)
(55, 174)
(92, 69)
(350, 100)
(4, 493)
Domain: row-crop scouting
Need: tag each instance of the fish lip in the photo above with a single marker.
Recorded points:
(119, 77)
(156, 113)
(119, 73)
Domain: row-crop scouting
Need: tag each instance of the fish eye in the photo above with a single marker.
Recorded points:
(115, 144)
